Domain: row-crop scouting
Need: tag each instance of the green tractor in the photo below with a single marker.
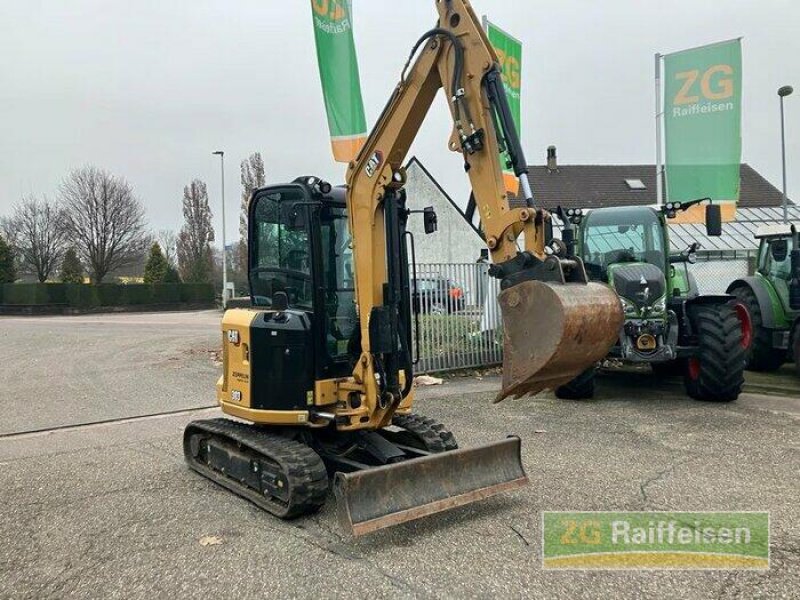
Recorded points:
(668, 323)
(771, 298)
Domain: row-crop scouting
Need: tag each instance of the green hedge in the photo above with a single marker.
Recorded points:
(105, 294)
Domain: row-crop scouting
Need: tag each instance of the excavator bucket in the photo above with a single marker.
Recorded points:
(553, 332)
(392, 494)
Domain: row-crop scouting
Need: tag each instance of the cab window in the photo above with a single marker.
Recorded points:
(779, 269)
(280, 257)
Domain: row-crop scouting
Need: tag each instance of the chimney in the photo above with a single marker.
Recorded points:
(552, 163)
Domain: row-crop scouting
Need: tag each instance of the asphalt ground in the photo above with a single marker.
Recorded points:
(110, 511)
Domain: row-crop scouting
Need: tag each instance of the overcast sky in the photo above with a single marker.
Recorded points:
(148, 89)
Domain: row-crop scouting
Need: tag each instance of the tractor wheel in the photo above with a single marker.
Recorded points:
(759, 353)
(717, 372)
(580, 388)
(670, 368)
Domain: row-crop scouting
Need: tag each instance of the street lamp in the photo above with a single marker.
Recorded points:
(782, 93)
(221, 155)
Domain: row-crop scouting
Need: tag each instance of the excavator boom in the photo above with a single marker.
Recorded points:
(555, 323)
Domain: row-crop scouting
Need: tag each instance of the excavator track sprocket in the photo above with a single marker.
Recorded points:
(283, 476)
(432, 434)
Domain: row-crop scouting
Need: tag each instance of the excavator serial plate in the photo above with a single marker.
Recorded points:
(553, 332)
(380, 497)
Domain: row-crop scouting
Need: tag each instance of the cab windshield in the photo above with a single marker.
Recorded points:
(282, 261)
(616, 235)
(281, 253)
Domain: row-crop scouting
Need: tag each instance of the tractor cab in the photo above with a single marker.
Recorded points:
(776, 248)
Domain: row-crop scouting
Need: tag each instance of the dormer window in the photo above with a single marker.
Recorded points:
(635, 184)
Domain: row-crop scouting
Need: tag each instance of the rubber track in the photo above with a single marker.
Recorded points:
(433, 434)
(720, 353)
(761, 356)
(304, 470)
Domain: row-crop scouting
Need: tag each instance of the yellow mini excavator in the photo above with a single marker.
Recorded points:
(321, 369)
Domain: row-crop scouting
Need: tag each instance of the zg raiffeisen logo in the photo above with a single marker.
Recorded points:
(332, 10)
(655, 540)
(511, 70)
(709, 91)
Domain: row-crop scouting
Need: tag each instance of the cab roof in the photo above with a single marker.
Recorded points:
(774, 230)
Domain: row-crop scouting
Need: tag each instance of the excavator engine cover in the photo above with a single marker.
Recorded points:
(383, 496)
(553, 332)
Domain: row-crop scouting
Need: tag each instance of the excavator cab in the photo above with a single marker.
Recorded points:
(300, 246)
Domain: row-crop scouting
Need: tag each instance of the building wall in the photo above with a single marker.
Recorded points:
(455, 241)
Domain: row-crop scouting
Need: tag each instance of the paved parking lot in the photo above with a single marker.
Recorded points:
(110, 511)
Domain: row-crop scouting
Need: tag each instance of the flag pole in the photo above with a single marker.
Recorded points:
(659, 167)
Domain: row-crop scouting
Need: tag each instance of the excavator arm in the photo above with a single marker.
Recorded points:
(552, 332)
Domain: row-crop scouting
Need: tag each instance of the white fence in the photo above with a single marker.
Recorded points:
(459, 324)
(715, 270)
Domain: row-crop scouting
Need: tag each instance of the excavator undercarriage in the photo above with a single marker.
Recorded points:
(380, 478)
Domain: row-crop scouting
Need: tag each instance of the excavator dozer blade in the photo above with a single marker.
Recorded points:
(383, 496)
(553, 332)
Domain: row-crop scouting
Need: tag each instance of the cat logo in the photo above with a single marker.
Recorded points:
(373, 163)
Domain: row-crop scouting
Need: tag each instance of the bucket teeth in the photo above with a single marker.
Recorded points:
(383, 496)
(553, 332)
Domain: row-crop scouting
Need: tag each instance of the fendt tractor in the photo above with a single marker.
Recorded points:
(322, 367)
(771, 298)
(668, 323)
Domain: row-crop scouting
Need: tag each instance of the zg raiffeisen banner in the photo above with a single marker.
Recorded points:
(509, 53)
(702, 123)
(338, 72)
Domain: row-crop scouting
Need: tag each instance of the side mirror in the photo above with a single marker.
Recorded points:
(779, 250)
(713, 220)
(429, 219)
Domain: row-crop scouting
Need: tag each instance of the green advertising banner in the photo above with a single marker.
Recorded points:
(509, 53)
(338, 72)
(702, 122)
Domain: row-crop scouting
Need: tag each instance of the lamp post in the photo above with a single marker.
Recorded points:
(782, 93)
(221, 155)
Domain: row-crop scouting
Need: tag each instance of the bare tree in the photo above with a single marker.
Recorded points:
(252, 179)
(8, 229)
(40, 235)
(105, 220)
(168, 240)
(194, 248)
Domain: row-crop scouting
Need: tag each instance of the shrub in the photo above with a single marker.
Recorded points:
(155, 271)
(71, 267)
(105, 294)
(8, 273)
